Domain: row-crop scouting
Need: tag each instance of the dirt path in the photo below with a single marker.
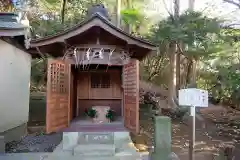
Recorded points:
(217, 130)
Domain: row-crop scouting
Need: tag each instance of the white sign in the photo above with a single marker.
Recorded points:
(193, 97)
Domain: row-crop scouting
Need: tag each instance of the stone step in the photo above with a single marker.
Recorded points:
(78, 157)
(127, 156)
(94, 150)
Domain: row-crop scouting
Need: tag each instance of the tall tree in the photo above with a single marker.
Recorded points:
(173, 56)
(193, 63)
(194, 31)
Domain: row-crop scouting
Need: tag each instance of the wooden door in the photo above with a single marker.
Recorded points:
(58, 95)
(131, 95)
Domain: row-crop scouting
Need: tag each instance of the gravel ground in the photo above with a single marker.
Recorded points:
(35, 143)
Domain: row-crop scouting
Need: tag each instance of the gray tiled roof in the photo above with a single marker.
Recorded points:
(9, 21)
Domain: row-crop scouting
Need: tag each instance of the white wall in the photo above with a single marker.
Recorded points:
(15, 68)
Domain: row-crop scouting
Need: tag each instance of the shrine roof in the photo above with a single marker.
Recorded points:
(95, 20)
(9, 25)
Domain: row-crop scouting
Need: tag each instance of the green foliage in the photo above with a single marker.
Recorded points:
(45, 17)
(201, 37)
(110, 115)
(221, 74)
(90, 112)
(38, 74)
(131, 16)
(198, 33)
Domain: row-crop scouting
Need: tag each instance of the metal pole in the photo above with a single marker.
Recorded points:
(192, 133)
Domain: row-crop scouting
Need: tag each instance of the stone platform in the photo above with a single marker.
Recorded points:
(97, 145)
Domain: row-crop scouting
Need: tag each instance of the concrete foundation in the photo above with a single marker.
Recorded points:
(15, 134)
(2, 144)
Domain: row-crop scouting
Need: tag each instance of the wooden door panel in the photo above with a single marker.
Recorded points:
(58, 95)
(131, 95)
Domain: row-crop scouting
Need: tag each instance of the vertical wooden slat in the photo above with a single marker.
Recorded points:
(58, 95)
(131, 95)
(68, 66)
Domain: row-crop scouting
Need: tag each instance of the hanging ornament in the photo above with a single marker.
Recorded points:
(101, 54)
(88, 54)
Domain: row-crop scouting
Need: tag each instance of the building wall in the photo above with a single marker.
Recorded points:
(15, 68)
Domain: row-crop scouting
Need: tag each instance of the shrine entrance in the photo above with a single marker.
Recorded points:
(99, 87)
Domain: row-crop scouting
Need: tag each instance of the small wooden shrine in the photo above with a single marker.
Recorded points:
(95, 64)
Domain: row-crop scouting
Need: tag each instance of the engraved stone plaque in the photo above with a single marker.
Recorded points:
(96, 138)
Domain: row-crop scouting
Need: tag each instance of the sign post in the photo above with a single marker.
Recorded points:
(193, 98)
(192, 133)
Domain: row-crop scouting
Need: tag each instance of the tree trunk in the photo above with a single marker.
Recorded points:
(178, 56)
(129, 25)
(63, 10)
(172, 74)
(118, 14)
(178, 70)
(191, 4)
(189, 69)
(194, 62)
(194, 71)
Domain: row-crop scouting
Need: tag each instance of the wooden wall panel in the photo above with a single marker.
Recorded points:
(131, 95)
(86, 92)
(116, 85)
(114, 104)
(100, 93)
(83, 85)
(58, 95)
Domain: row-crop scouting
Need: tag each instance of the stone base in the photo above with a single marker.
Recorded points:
(96, 145)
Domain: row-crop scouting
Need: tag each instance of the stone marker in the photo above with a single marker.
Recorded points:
(226, 152)
(162, 148)
(2, 145)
